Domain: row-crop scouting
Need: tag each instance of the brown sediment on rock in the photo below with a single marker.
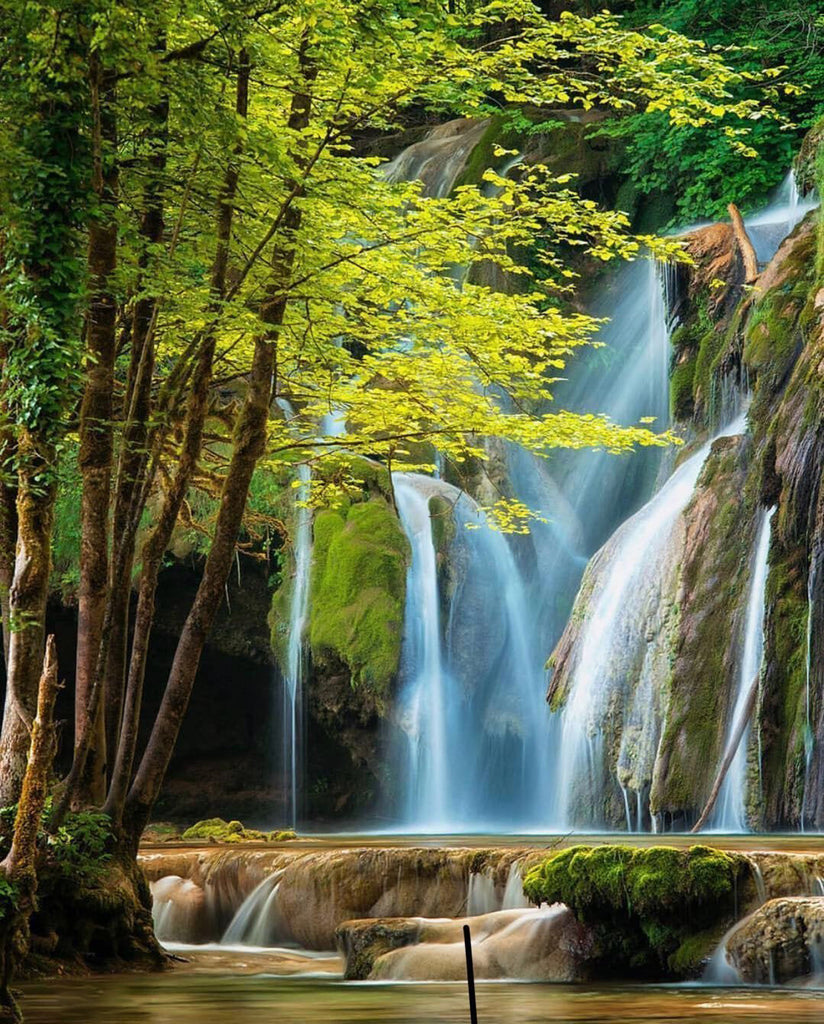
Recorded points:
(319, 890)
(536, 944)
(781, 941)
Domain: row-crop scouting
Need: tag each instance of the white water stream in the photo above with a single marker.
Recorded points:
(730, 813)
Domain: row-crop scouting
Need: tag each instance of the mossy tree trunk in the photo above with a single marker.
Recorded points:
(158, 540)
(27, 607)
(96, 441)
(18, 868)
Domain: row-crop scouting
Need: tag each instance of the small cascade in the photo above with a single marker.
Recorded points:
(730, 814)
(514, 898)
(481, 895)
(474, 731)
(809, 731)
(439, 158)
(719, 971)
(769, 227)
(179, 908)
(258, 921)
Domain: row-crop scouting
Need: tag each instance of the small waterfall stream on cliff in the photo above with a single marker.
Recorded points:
(298, 611)
(730, 813)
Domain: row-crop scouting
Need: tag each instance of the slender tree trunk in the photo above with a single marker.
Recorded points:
(158, 541)
(27, 607)
(133, 455)
(749, 259)
(95, 458)
(735, 741)
(248, 445)
(19, 866)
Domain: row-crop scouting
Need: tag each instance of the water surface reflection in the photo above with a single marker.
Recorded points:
(192, 998)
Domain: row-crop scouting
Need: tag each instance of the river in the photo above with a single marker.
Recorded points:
(191, 997)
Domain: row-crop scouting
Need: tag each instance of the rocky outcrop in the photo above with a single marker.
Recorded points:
(781, 942)
(539, 944)
(714, 569)
(656, 912)
(319, 889)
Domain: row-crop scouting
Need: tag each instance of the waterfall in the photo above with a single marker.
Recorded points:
(439, 158)
(258, 921)
(424, 689)
(293, 690)
(473, 731)
(769, 227)
(607, 644)
(298, 614)
(730, 814)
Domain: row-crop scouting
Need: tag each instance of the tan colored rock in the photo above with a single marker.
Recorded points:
(779, 942)
(546, 944)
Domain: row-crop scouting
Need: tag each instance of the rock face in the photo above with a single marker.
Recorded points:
(714, 570)
(780, 942)
(539, 944)
(317, 890)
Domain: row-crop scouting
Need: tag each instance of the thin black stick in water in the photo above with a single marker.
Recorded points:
(470, 976)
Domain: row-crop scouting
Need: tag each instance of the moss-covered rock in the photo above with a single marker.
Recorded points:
(655, 912)
(719, 530)
(216, 830)
(358, 589)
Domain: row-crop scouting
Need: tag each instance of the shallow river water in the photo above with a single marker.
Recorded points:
(207, 998)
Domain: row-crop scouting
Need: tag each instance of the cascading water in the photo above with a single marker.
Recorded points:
(298, 612)
(608, 645)
(613, 691)
(472, 738)
(730, 814)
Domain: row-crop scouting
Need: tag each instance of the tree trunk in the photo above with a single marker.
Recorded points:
(249, 442)
(249, 445)
(95, 458)
(749, 258)
(19, 866)
(158, 541)
(27, 607)
(133, 458)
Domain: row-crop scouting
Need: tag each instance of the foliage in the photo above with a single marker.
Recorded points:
(642, 903)
(81, 846)
(693, 164)
(77, 851)
(368, 252)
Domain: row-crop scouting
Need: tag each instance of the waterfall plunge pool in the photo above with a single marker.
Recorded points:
(199, 995)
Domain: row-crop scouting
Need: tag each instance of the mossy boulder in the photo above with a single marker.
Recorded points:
(216, 830)
(655, 912)
(358, 588)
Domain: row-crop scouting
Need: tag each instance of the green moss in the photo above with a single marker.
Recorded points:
(498, 133)
(219, 831)
(358, 589)
(654, 911)
(713, 582)
(780, 320)
(784, 696)
(682, 382)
